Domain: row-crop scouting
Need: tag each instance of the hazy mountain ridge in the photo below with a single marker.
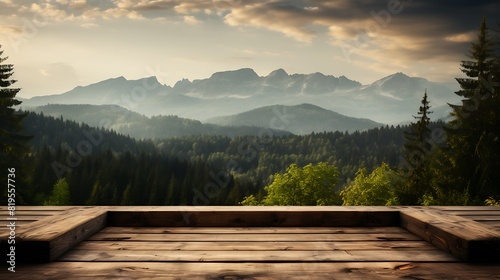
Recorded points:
(139, 126)
(392, 99)
(300, 119)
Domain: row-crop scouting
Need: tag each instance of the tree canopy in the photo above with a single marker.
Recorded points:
(376, 188)
(313, 184)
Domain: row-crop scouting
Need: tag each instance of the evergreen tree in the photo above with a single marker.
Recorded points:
(473, 135)
(13, 146)
(415, 174)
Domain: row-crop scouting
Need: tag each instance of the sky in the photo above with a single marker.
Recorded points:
(56, 45)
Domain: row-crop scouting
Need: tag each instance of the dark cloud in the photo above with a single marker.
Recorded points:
(416, 29)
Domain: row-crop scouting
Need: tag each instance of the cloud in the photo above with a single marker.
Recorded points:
(460, 38)
(10, 30)
(378, 29)
(191, 20)
(7, 2)
(423, 29)
(290, 20)
(145, 5)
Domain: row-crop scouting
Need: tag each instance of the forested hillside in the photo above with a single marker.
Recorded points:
(103, 167)
(138, 126)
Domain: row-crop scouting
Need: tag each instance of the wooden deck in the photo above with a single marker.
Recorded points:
(185, 242)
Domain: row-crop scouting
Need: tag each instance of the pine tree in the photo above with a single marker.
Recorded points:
(415, 174)
(473, 135)
(12, 144)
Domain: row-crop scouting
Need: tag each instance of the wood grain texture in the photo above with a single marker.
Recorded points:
(462, 237)
(253, 237)
(254, 246)
(278, 234)
(255, 230)
(213, 271)
(47, 239)
(256, 256)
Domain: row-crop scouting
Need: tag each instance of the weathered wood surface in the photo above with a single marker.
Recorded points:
(47, 239)
(300, 270)
(257, 256)
(254, 246)
(255, 230)
(488, 216)
(462, 237)
(254, 237)
(25, 215)
(259, 243)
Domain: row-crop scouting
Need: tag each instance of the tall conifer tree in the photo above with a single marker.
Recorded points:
(13, 145)
(417, 150)
(473, 135)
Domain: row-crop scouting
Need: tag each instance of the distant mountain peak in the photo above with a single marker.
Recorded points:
(182, 83)
(317, 74)
(310, 106)
(301, 119)
(243, 74)
(278, 73)
(399, 75)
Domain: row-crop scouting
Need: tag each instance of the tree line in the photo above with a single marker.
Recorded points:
(120, 170)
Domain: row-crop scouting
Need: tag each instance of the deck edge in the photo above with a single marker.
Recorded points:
(468, 240)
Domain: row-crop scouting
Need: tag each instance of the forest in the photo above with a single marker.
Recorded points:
(453, 162)
(119, 170)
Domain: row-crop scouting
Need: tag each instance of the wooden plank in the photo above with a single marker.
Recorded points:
(39, 208)
(47, 239)
(256, 256)
(493, 225)
(254, 230)
(253, 246)
(301, 270)
(481, 218)
(19, 223)
(248, 218)
(253, 237)
(474, 213)
(23, 218)
(33, 213)
(466, 239)
(462, 208)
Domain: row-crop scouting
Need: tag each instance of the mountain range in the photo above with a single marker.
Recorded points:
(279, 119)
(392, 99)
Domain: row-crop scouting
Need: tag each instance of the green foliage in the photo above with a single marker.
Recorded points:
(309, 185)
(416, 181)
(376, 188)
(442, 198)
(13, 145)
(250, 200)
(492, 202)
(171, 171)
(60, 194)
(471, 156)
